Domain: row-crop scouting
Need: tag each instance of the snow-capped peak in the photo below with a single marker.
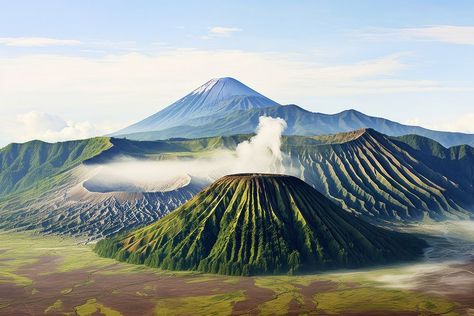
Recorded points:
(217, 95)
(206, 87)
(225, 87)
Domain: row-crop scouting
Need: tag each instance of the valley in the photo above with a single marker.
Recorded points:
(53, 275)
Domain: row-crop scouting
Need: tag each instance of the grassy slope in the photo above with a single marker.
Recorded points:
(31, 168)
(25, 165)
(247, 224)
(391, 178)
(384, 178)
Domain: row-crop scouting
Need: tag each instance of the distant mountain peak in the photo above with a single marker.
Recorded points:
(207, 86)
(351, 111)
(221, 88)
(217, 96)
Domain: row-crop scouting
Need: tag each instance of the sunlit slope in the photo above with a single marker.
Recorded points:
(406, 178)
(57, 202)
(24, 165)
(254, 223)
(60, 203)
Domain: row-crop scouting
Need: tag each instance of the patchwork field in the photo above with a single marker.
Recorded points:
(57, 276)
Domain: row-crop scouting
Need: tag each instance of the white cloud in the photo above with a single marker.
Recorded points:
(133, 85)
(50, 127)
(441, 33)
(136, 78)
(220, 31)
(223, 31)
(36, 41)
(463, 123)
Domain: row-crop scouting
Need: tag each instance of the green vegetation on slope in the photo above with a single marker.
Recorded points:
(252, 224)
(406, 178)
(385, 179)
(171, 148)
(23, 165)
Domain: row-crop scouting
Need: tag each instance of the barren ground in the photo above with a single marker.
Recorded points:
(53, 276)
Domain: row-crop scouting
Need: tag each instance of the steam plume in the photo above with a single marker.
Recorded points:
(260, 154)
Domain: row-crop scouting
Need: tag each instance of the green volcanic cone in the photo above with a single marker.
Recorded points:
(260, 224)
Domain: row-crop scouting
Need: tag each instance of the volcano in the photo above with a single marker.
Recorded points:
(226, 106)
(248, 224)
(217, 97)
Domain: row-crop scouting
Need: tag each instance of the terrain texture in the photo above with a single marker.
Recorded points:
(260, 224)
(55, 276)
(55, 187)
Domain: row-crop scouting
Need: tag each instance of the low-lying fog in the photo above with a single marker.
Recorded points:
(447, 266)
(260, 154)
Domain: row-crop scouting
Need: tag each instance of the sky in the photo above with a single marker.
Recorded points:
(75, 69)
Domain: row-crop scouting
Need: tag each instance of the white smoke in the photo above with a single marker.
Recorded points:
(260, 154)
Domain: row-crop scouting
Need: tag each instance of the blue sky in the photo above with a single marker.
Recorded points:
(72, 69)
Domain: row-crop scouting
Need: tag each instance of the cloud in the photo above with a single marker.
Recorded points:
(464, 123)
(223, 31)
(36, 41)
(442, 33)
(134, 85)
(260, 154)
(136, 78)
(220, 31)
(463, 35)
(50, 127)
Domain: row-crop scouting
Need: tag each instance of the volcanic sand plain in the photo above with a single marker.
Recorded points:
(61, 276)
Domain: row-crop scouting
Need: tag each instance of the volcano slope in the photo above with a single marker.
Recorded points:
(59, 188)
(394, 179)
(47, 187)
(260, 224)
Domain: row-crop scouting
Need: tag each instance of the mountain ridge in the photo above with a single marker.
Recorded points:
(238, 119)
(24, 164)
(387, 180)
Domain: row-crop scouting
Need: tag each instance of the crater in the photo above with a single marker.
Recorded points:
(105, 183)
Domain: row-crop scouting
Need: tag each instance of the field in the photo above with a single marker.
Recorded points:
(58, 276)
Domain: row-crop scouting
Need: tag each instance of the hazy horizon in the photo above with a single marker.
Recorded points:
(86, 69)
